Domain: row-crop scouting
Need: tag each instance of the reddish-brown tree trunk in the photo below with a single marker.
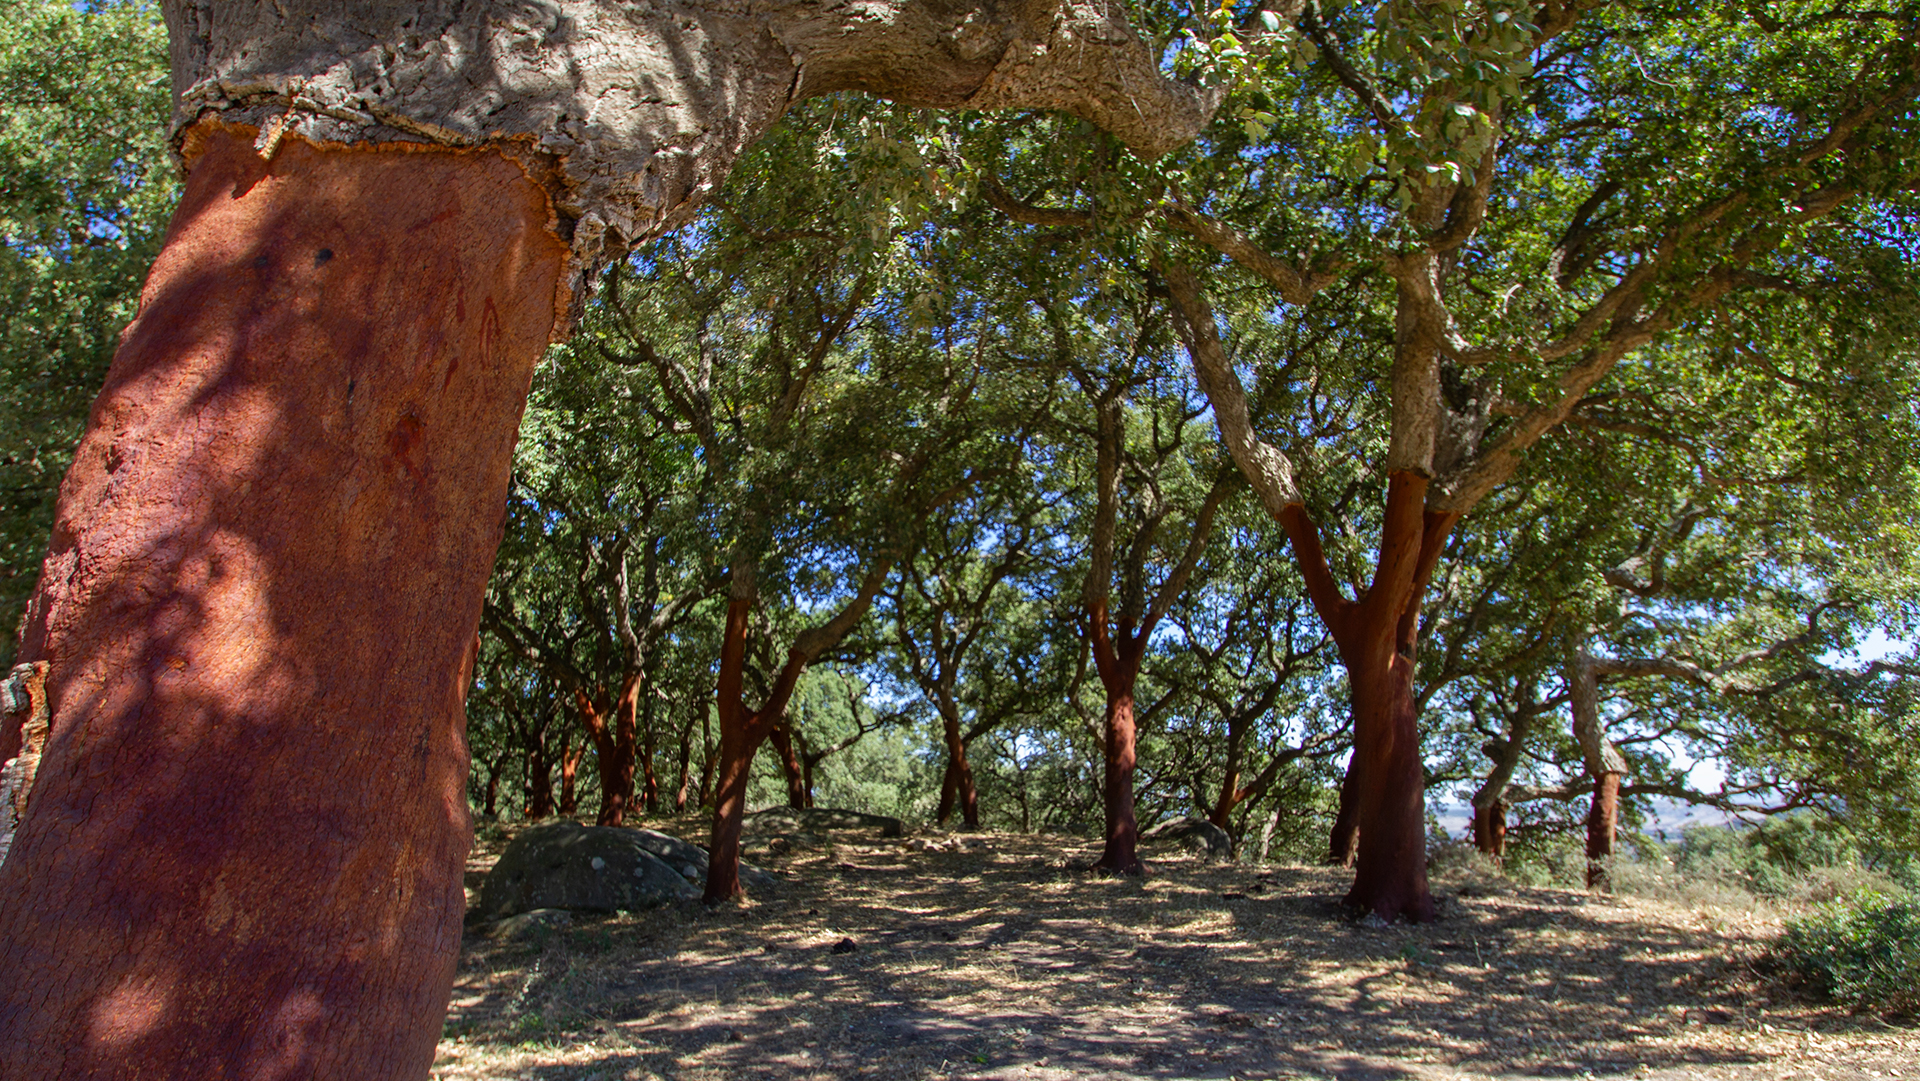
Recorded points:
(1378, 637)
(1603, 823)
(741, 733)
(1490, 830)
(782, 739)
(1390, 870)
(570, 755)
(1230, 794)
(956, 784)
(1118, 665)
(308, 427)
(613, 748)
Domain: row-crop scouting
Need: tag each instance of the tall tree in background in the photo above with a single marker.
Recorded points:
(1531, 236)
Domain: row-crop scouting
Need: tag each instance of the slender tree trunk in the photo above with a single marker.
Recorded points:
(737, 744)
(649, 746)
(741, 734)
(492, 804)
(1230, 792)
(539, 782)
(570, 754)
(686, 767)
(709, 762)
(782, 739)
(1603, 823)
(1118, 665)
(308, 427)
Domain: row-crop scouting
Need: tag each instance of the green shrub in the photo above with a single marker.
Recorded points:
(1862, 951)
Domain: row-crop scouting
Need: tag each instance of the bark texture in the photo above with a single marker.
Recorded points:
(243, 855)
(645, 106)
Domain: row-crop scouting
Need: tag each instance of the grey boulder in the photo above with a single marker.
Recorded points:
(1196, 835)
(565, 865)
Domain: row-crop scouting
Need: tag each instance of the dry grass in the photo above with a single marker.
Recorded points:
(1002, 961)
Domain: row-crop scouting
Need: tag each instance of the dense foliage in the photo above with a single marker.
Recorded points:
(1653, 269)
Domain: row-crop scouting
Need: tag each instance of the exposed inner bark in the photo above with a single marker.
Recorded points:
(1603, 822)
(1118, 664)
(956, 784)
(244, 855)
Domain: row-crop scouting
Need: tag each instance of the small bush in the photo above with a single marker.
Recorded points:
(1861, 951)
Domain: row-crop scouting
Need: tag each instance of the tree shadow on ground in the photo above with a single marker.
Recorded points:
(877, 961)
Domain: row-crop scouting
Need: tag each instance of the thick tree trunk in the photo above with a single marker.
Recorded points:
(1490, 831)
(1390, 871)
(244, 854)
(1121, 854)
(1378, 639)
(1603, 824)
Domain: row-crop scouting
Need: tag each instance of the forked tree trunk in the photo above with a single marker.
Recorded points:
(613, 747)
(243, 857)
(956, 784)
(1377, 637)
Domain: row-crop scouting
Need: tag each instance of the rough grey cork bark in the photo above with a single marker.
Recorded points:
(643, 106)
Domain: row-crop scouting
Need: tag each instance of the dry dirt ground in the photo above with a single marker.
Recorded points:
(996, 958)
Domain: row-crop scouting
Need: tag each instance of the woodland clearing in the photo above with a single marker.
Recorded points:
(992, 956)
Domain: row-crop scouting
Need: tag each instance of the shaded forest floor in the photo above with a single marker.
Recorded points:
(997, 959)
